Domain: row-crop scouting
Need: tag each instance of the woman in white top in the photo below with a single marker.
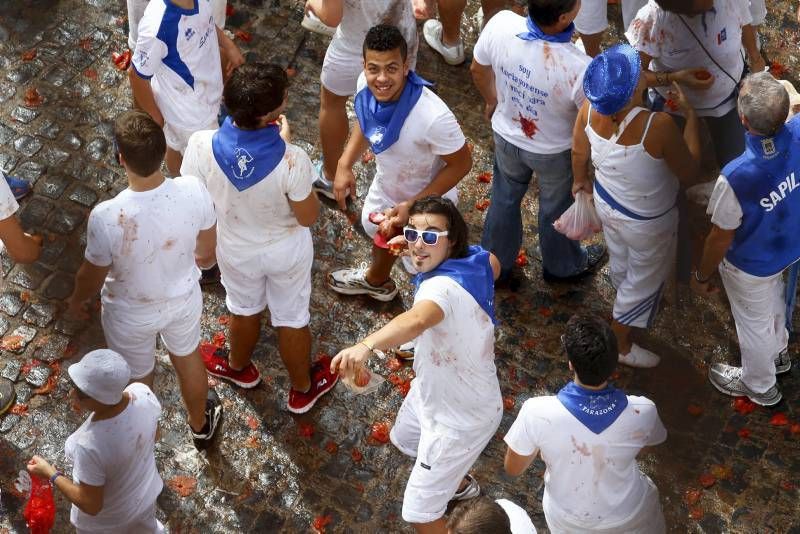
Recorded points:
(639, 157)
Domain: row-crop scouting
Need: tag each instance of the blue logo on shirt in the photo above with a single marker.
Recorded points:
(377, 136)
(189, 33)
(243, 161)
(722, 36)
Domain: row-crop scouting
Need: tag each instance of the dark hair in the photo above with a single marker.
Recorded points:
(546, 12)
(679, 7)
(457, 231)
(253, 91)
(383, 38)
(140, 141)
(591, 348)
(480, 515)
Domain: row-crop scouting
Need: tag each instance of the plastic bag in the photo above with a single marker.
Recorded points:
(363, 381)
(40, 511)
(580, 221)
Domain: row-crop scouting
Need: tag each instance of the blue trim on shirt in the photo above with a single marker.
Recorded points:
(168, 34)
(139, 74)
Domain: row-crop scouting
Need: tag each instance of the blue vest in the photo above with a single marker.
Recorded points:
(766, 181)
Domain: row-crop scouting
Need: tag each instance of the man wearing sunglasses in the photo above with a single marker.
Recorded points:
(419, 151)
(454, 405)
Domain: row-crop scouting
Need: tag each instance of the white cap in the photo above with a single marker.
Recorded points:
(101, 374)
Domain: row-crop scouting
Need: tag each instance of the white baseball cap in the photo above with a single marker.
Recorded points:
(101, 374)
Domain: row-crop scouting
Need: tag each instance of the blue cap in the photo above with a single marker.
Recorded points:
(611, 78)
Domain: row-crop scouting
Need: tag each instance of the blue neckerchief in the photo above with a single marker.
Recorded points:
(597, 410)
(247, 156)
(473, 273)
(535, 33)
(381, 122)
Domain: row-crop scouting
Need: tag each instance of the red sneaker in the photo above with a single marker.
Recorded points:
(322, 381)
(216, 362)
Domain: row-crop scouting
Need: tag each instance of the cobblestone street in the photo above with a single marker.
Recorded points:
(271, 471)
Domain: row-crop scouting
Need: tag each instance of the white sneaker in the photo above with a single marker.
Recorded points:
(639, 357)
(432, 31)
(312, 23)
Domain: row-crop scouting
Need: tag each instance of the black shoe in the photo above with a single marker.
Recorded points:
(7, 395)
(203, 438)
(507, 282)
(209, 276)
(595, 254)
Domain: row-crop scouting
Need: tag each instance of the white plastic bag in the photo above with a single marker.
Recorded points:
(580, 221)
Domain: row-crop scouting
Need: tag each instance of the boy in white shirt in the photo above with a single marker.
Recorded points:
(136, 10)
(115, 482)
(532, 106)
(344, 62)
(177, 73)
(589, 435)
(419, 151)
(261, 186)
(143, 248)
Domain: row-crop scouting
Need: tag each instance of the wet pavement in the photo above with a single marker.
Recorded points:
(274, 472)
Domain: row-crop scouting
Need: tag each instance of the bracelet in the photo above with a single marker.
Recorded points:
(371, 349)
(699, 280)
(662, 77)
(55, 476)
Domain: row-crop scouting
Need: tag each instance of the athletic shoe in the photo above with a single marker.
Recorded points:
(783, 363)
(405, 352)
(322, 381)
(312, 23)
(202, 439)
(594, 256)
(209, 276)
(453, 55)
(19, 187)
(639, 357)
(728, 380)
(354, 282)
(7, 395)
(470, 491)
(322, 185)
(217, 365)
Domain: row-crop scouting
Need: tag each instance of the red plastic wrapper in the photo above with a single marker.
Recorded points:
(40, 511)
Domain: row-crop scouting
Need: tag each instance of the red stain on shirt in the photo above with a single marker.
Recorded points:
(528, 126)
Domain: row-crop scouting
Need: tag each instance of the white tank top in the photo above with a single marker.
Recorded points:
(637, 181)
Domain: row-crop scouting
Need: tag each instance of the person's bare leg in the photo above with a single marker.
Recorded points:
(380, 269)
(591, 43)
(491, 8)
(243, 336)
(173, 160)
(333, 127)
(434, 527)
(193, 381)
(294, 346)
(450, 12)
(623, 334)
(147, 379)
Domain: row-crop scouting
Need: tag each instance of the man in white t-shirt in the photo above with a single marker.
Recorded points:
(753, 239)
(115, 482)
(344, 63)
(454, 405)
(178, 65)
(483, 515)
(136, 10)
(592, 21)
(419, 151)
(532, 106)
(261, 186)
(143, 248)
(706, 40)
(589, 435)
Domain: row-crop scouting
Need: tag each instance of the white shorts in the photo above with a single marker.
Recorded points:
(341, 68)
(593, 15)
(132, 331)
(278, 277)
(378, 200)
(178, 138)
(443, 458)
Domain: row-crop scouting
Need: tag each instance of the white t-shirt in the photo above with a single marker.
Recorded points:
(8, 204)
(252, 219)
(661, 35)
(149, 238)
(539, 85)
(410, 164)
(455, 373)
(592, 480)
(520, 520)
(724, 207)
(118, 454)
(359, 16)
(177, 49)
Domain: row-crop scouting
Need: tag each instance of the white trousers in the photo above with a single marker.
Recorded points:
(593, 15)
(758, 309)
